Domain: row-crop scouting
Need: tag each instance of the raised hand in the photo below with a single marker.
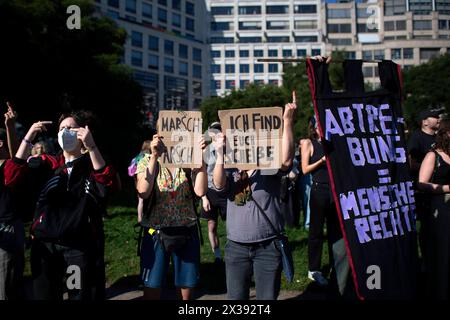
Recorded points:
(156, 145)
(10, 116)
(85, 136)
(36, 128)
(289, 109)
(320, 58)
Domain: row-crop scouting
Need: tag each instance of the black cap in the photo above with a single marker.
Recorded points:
(430, 113)
(215, 125)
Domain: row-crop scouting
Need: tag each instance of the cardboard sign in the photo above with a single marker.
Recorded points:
(180, 132)
(253, 137)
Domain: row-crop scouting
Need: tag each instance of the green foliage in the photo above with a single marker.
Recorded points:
(427, 85)
(47, 69)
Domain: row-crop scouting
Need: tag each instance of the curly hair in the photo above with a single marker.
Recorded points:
(442, 137)
(81, 117)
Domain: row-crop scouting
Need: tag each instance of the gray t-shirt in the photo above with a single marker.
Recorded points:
(245, 223)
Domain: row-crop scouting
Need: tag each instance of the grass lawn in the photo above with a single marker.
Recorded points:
(122, 262)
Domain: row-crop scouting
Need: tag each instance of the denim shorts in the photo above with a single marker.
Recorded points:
(155, 262)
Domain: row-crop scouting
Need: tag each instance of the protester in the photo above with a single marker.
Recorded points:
(213, 204)
(304, 190)
(419, 145)
(11, 225)
(39, 148)
(322, 204)
(434, 180)
(132, 168)
(170, 214)
(67, 229)
(251, 248)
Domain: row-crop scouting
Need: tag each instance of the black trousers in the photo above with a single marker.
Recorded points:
(52, 263)
(323, 210)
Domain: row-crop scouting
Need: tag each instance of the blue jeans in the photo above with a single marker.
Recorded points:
(263, 260)
(305, 191)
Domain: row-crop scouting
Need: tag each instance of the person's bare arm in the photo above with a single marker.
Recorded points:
(287, 144)
(219, 175)
(146, 179)
(426, 173)
(11, 132)
(306, 152)
(201, 176)
(25, 146)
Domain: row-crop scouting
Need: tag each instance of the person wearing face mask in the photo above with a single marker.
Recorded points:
(67, 229)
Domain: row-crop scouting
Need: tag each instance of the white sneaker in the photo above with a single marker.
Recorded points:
(318, 277)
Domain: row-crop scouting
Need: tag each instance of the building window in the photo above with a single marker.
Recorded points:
(258, 68)
(183, 68)
(168, 47)
(258, 53)
(162, 2)
(244, 84)
(394, 7)
(350, 55)
(244, 68)
(190, 24)
(378, 54)
(221, 40)
(197, 54)
(420, 6)
(229, 68)
(221, 11)
(278, 39)
(316, 52)
(273, 82)
(215, 68)
(215, 54)
(301, 52)
(408, 53)
(305, 9)
(428, 53)
(147, 10)
(277, 25)
(176, 20)
(221, 26)
(287, 53)
(259, 82)
(190, 8)
(153, 43)
(273, 53)
(175, 93)
(422, 25)
(197, 88)
(277, 9)
(250, 25)
(396, 54)
(301, 39)
(368, 72)
(176, 4)
(162, 15)
(136, 58)
(339, 28)
(367, 55)
(249, 10)
(153, 62)
(130, 6)
(244, 53)
(113, 3)
(182, 51)
(136, 39)
(230, 84)
(229, 53)
(215, 84)
(273, 67)
(339, 14)
(168, 65)
(305, 24)
(363, 28)
(444, 24)
(250, 40)
(341, 42)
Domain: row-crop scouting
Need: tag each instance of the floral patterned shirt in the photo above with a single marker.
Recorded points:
(173, 203)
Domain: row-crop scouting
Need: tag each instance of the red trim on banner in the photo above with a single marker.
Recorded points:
(312, 84)
(400, 78)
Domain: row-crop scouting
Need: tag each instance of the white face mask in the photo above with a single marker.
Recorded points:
(67, 140)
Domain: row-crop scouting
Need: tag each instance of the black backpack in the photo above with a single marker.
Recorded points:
(66, 206)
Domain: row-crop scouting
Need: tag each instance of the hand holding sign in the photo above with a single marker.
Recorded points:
(156, 146)
(219, 143)
(320, 58)
(289, 110)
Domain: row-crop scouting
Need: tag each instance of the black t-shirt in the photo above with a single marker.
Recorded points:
(419, 145)
(320, 175)
(6, 206)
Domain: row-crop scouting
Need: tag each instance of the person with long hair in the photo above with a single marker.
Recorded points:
(322, 206)
(434, 179)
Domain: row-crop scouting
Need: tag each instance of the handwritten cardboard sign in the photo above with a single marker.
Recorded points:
(253, 137)
(180, 132)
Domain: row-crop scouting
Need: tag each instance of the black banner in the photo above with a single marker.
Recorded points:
(364, 143)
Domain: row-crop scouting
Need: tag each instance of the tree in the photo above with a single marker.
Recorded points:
(47, 69)
(425, 86)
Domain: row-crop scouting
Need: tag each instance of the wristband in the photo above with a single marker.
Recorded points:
(28, 142)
